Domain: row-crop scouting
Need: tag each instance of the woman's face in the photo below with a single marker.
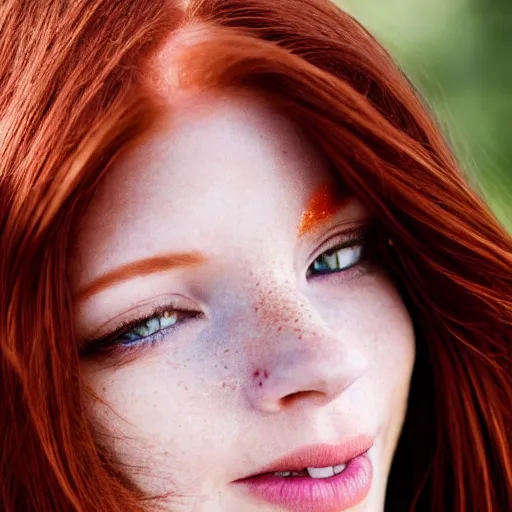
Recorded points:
(248, 338)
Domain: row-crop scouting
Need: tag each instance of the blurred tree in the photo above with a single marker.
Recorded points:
(458, 53)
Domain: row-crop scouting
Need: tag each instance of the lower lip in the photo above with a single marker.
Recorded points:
(304, 494)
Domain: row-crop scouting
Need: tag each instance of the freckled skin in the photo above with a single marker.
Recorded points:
(275, 361)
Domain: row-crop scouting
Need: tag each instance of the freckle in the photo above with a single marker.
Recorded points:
(226, 351)
(104, 388)
(296, 320)
(300, 336)
(280, 328)
(256, 373)
(223, 384)
(256, 308)
(265, 374)
(225, 367)
(261, 384)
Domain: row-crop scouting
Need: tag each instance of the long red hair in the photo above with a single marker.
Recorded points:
(73, 94)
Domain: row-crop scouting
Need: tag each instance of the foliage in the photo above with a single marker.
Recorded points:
(458, 53)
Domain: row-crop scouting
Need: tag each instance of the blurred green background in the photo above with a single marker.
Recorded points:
(458, 53)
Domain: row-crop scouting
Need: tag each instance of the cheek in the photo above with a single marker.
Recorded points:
(154, 416)
(392, 355)
(369, 313)
(134, 396)
(392, 343)
(167, 398)
(375, 321)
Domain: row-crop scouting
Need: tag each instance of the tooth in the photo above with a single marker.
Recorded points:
(321, 472)
(283, 473)
(338, 469)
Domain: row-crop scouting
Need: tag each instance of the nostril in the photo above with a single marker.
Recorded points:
(293, 397)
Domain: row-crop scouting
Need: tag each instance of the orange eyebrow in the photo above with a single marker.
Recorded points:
(325, 201)
(140, 268)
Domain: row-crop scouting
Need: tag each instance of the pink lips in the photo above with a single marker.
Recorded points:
(304, 494)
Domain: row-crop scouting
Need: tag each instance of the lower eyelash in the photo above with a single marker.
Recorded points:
(356, 270)
(149, 340)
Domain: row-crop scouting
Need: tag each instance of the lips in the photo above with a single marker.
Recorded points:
(318, 456)
(305, 493)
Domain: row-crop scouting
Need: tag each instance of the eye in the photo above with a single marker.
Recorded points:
(149, 327)
(337, 260)
(143, 332)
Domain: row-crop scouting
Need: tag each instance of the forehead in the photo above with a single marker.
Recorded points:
(208, 141)
(217, 169)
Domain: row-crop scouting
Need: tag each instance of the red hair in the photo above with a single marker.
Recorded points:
(72, 95)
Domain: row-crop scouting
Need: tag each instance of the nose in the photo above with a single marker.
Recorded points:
(301, 361)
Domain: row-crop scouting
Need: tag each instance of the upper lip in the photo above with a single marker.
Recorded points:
(319, 455)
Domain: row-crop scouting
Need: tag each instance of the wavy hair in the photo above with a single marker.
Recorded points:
(73, 94)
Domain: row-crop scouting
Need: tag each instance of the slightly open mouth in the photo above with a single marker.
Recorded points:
(342, 459)
(322, 489)
(326, 472)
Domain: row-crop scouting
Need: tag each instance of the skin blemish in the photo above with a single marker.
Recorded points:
(325, 202)
(258, 373)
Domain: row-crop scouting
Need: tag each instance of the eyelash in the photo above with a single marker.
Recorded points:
(354, 238)
(110, 343)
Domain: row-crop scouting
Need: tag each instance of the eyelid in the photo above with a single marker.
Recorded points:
(337, 241)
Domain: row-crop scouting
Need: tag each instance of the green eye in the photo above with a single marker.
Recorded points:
(337, 260)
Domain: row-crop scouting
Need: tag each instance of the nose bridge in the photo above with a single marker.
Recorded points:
(293, 355)
(284, 309)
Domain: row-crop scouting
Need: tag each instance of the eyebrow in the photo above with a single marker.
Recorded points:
(140, 268)
(327, 200)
